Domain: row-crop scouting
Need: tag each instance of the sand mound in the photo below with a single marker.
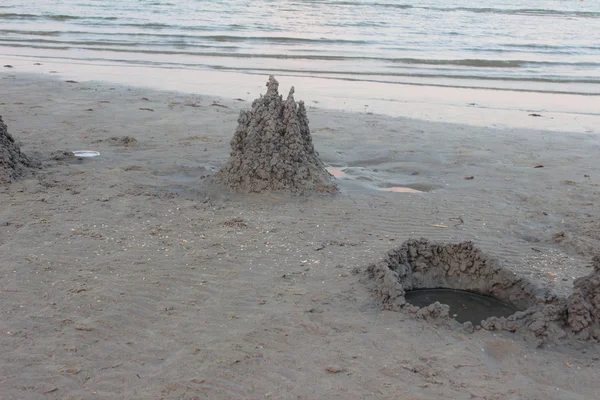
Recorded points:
(124, 141)
(583, 306)
(272, 149)
(12, 161)
(418, 264)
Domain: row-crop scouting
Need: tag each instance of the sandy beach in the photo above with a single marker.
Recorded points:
(126, 276)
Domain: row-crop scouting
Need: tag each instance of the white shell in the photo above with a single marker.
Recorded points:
(85, 153)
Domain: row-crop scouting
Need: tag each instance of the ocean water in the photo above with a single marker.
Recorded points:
(542, 45)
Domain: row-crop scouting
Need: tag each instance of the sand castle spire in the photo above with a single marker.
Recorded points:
(272, 149)
(272, 86)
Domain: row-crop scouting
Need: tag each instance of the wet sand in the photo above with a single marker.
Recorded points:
(123, 276)
(479, 107)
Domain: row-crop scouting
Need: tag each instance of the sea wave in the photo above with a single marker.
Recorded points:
(432, 74)
(455, 81)
(522, 11)
(479, 10)
(31, 33)
(168, 37)
(397, 62)
(38, 43)
(30, 17)
(149, 25)
(471, 39)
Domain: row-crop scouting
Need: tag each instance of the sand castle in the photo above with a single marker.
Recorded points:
(272, 149)
(12, 161)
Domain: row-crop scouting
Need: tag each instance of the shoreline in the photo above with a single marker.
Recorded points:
(124, 277)
(478, 107)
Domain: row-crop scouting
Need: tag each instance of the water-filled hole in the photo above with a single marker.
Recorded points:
(457, 280)
(464, 306)
(459, 276)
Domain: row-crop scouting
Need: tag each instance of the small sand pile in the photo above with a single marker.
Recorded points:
(12, 161)
(124, 141)
(272, 149)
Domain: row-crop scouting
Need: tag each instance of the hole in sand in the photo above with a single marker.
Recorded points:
(464, 306)
(458, 281)
(468, 285)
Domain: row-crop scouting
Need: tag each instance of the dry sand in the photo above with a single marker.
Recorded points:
(124, 277)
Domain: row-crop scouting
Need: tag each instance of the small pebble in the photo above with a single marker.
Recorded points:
(334, 369)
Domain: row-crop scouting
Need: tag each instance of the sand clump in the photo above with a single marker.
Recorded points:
(583, 306)
(124, 141)
(272, 149)
(13, 162)
(545, 316)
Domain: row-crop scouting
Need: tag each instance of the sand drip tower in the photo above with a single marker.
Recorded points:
(272, 149)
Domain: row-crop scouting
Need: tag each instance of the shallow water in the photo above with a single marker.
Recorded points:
(400, 189)
(336, 172)
(546, 45)
(464, 306)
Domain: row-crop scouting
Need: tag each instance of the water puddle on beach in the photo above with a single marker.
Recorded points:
(464, 306)
(400, 189)
(336, 172)
(363, 174)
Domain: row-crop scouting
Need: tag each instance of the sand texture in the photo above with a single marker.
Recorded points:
(272, 149)
(128, 276)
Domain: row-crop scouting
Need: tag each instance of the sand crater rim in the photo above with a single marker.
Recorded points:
(460, 271)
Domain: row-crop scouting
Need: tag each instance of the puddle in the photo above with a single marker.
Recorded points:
(405, 187)
(464, 306)
(399, 189)
(336, 172)
(370, 176)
